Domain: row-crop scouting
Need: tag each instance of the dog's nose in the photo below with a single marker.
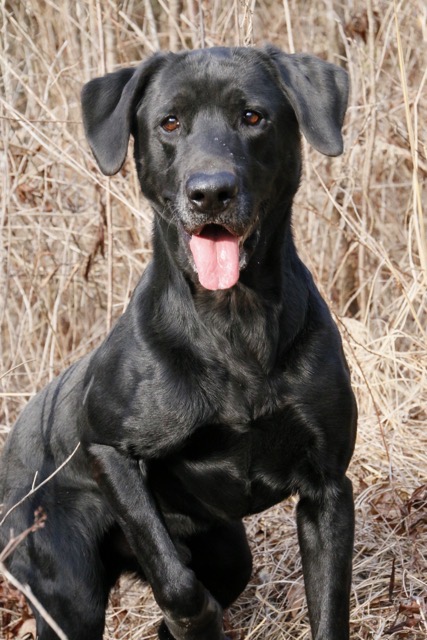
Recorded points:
(211, 191)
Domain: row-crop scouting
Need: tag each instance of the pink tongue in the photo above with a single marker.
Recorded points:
(217, 259)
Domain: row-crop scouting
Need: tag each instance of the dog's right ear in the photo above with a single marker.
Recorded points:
(108, 105)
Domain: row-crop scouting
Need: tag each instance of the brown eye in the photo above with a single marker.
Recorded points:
(252, 118)
(171, 123)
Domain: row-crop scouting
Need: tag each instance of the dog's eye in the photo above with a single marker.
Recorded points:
(252, 118)
(170, 123)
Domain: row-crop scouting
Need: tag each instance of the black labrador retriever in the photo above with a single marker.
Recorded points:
(223, 388)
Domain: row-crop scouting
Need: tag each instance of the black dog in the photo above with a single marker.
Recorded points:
(223, 389)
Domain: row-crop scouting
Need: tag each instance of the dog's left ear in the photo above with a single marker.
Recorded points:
(108, 106)
(318, 93)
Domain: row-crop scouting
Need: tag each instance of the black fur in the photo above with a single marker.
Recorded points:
(200, 407)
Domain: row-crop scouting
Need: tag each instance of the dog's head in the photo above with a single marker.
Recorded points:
(217, 143)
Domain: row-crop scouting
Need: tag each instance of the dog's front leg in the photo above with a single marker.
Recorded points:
(325, 532)
(190, 611)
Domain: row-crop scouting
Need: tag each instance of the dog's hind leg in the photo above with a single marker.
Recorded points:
(77, 607)
(68, 578)
(91, 629)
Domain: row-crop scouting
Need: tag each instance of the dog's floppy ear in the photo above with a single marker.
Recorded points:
(318, 93)
(108, 105)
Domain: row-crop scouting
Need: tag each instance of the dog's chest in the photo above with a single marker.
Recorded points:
(231, 471)
(248, 448)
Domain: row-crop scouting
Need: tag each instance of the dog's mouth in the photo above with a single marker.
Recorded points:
(216, 252)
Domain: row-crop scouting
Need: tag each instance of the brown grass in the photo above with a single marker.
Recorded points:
(74, 243)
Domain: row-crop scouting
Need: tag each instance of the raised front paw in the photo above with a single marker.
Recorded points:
(207, 625)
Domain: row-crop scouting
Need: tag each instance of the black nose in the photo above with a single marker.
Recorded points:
(211, 191)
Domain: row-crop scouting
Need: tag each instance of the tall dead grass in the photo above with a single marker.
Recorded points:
(74, 243)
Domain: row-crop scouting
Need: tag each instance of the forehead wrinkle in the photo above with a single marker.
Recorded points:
(194, 96)
(195, 93)
(190, 82)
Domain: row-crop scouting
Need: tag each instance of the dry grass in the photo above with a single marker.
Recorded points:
(74, 244)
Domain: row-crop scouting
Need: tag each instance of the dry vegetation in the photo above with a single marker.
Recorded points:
(74, 243)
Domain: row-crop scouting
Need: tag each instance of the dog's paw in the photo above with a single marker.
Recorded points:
(205, 626)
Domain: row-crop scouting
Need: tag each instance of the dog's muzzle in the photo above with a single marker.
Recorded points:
(214, 244)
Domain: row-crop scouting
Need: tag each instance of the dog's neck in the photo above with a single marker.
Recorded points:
(267, 307)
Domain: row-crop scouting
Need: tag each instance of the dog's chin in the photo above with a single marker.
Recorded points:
(217, 253)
